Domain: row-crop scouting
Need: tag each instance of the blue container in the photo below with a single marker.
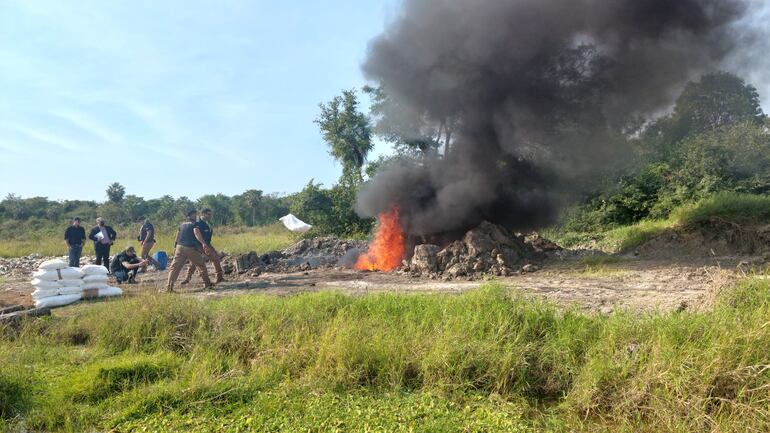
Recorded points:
(162, 258)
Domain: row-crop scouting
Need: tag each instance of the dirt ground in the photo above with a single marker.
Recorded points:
(639, 284)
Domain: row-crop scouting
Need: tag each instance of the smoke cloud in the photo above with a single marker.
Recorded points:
(538, 92)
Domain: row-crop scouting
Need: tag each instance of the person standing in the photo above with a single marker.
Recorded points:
(75, 237)
(188, 244)
(147, 239)
(206, 227)
(103, 236)
(125, 266)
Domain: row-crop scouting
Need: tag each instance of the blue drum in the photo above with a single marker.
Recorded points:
(162, 258)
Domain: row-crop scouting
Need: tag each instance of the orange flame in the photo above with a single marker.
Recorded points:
(387, 248)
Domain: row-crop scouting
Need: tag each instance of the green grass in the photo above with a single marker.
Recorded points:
(230, 239)
(729, 206)
(484, 361)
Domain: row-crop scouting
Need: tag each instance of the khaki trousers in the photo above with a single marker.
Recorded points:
(214, 257)
(146, 247)
(182, 255)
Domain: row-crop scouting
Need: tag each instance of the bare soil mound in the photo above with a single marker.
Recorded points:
(713, 238)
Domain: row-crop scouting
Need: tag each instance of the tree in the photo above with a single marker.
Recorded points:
(348, 134)
(716, 101)
(115, 192)
(410, 131)
(220, 205)
(134, 207)
(253, 200)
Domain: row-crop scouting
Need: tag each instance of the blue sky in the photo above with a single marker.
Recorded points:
(177, 97)
(174, 97)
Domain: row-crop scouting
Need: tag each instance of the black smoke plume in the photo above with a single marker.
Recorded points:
(540, 94)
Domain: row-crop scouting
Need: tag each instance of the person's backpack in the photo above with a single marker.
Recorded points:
(115, 263)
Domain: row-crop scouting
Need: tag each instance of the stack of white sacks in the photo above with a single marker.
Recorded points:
(56, 284)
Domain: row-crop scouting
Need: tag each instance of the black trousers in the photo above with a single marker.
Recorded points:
(102, 254)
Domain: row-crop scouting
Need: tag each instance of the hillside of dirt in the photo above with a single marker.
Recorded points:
(717, 238)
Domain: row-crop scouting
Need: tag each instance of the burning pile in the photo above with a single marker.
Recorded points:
(488, 249)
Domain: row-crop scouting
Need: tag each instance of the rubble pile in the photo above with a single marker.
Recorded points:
(20, 266)
(488, 249)
(316, 253)
(23, 267)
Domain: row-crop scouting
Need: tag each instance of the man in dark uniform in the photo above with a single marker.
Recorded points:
(147, 240)
(125, 266)
(75, 237)
(188, 243)
(103, 236)
(206, 228)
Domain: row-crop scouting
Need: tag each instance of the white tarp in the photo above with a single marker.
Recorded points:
(295, 224)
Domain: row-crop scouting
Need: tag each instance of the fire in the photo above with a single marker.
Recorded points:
(387, 248)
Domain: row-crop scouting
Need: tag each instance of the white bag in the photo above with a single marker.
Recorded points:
(44, 293)
(96, 278)
(110, 291)
(71, 290)
(91, 285)
(69, 282)
(45, 285)
(56, 301)
(58, 274)
(53, 264)
(94, 270)
(295, 224)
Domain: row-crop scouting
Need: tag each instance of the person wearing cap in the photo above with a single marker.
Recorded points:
(206, 228)
(125, 265)
(147, 240)
(75, 237)
(103, 236)
(188, 245)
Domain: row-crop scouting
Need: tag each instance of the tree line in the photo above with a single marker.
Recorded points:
(251, 208)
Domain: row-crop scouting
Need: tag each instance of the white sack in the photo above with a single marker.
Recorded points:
(94, 270)
(96, 278)
(99, 286)
(56, 301)
(53, 264)
(59, 274)
(110, 291)
(69, 282)
(77, 290)
(44, 293)
(295, 224)
(45, 285)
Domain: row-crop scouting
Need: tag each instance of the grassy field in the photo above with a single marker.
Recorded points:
(484, 361)
(230, 239)
(739, 208)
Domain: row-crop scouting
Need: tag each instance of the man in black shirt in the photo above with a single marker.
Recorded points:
(103, 236)
(147, 239)
(188, 244)
(206, 228)
(125, 265)
(75, 237)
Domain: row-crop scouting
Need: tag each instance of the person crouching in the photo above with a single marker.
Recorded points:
(125, 266)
